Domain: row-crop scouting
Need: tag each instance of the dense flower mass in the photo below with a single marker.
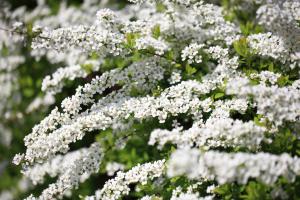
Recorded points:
(226, 167)
(150, 100)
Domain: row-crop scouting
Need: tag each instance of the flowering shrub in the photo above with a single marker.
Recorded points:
(150, 100)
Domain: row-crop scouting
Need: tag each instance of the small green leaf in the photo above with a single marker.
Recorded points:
(177, 65)
(94, 55)
(160, 7)
(130, 38)
(271, 67)
(157, 91)
(283, 80)
(256, 191)
(241, 47)
(250, 28)
(218, 95)
(135, 92)
(190, 70)
(257, 120)
(87, 67)
(156, 31)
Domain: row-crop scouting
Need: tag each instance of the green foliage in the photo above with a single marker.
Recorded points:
(130, 38)
(160, 7)
(284, 141)
(156, 31)
(242, 48)
(190, 70)
(256, 191)
(283, 80)
(229, 191)
(136, 150)
(250, 28)
(252, 191)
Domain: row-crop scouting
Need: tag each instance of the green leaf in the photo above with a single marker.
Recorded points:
(271, 67)
(256, 191)
(241, 47)
(284, 141)
(222, 190)
(157, 91)
(160, 7)
(130, 39)
(135, 92)
(87, 67)
(283, 80)
(257, 120)
(170, 56)
(190, 70)
(228, 191)
(94, 55)
(156, 31)
(250, 28)
(218, 95)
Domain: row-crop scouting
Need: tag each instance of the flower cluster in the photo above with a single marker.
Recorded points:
(278, 104)
(55, 83)
(230, 167)
(214, 133)
(119, 186)
(71, 169)
(192, 53)
(265, 44)
(281, 19)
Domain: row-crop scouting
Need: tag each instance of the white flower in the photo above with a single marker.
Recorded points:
(175, 77)
(149, 42)
(192, 54)
(266, 44)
